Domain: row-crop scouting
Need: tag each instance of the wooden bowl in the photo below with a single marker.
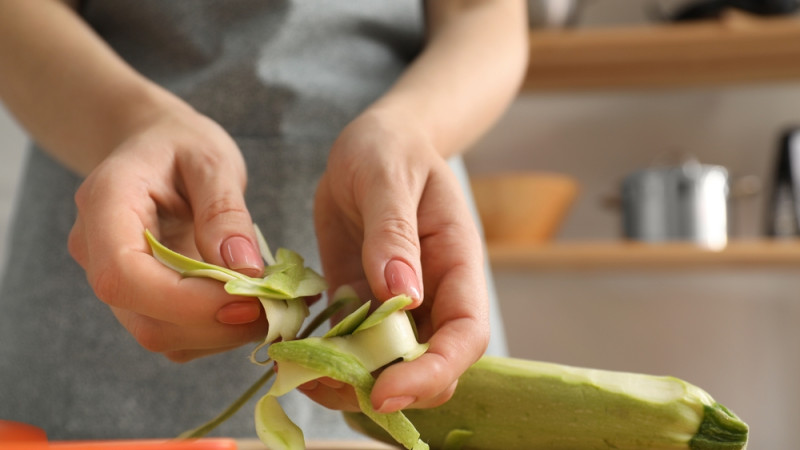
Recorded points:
(523, 207)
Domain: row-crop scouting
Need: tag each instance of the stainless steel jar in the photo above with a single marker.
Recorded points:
(688, 202)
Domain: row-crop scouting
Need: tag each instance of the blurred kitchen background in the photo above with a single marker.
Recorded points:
(729, 326)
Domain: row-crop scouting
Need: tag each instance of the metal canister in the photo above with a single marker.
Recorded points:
(679, 203)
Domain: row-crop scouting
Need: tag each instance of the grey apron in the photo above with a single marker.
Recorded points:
(283, 78)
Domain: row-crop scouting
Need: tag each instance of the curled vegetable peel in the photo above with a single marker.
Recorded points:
(349, 358)
(357, 345)
(286, 281)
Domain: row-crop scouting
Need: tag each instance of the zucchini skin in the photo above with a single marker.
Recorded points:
(507, 403)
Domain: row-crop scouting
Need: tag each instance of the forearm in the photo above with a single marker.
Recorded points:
(71, 92)
(468, 73)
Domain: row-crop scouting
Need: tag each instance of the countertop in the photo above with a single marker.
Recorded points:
(254, 444)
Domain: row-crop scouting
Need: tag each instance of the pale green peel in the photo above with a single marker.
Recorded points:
(387, 341)
(185, 265)
(317, 356)
(292, 259)
(254, 289)
(378, 345)
(292, 271)
(312, 283)
(285, 317)
(350, 358)
(383, 311)
(274, 427)
(350, 322)
(336, 305)
(263, 248)
(276, 268)
(286, 281)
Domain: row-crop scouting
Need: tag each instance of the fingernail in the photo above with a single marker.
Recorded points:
(239, 254)
(393, 404)
(402, 280)
(238, 313)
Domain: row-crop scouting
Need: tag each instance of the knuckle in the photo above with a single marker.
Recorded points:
(462, 231)
(440, 368)
(80, 197)
(75, 247)
(106, 284)
(179, 356)
(83, 194)
(208, 159)
(150, 336)
(483, 341)
(205, 157)
(400, 230)
(222, 208)
(94, 186)
(443, 396)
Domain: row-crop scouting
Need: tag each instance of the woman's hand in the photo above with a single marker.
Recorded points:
(151, 162)
(389, 212)
(181, 176)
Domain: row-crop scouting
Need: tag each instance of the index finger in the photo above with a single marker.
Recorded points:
(459, 310)
(460, 338)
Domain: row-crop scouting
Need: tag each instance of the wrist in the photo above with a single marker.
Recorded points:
(135, 108)
(141, 106)
(396, 128)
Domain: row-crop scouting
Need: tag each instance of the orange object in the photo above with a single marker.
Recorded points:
(523, 207)
(20, 432)
(134, 444)
(21, 436)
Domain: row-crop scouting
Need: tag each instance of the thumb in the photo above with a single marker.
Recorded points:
(223, 228)
(391, 252)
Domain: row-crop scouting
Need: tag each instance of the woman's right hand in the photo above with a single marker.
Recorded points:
(151, 162)
(183, 178)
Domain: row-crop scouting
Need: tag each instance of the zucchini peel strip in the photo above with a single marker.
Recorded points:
(286, 281)
(357, 345)
(379, 339)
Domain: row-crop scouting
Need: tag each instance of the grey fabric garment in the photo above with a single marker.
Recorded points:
(282, 78)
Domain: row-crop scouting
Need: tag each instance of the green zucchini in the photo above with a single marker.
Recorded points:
(506, 403)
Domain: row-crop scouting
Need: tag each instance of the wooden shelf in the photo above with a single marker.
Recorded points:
(735, 49)
(642, 256)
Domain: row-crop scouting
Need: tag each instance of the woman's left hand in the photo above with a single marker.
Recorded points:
(391, 215)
